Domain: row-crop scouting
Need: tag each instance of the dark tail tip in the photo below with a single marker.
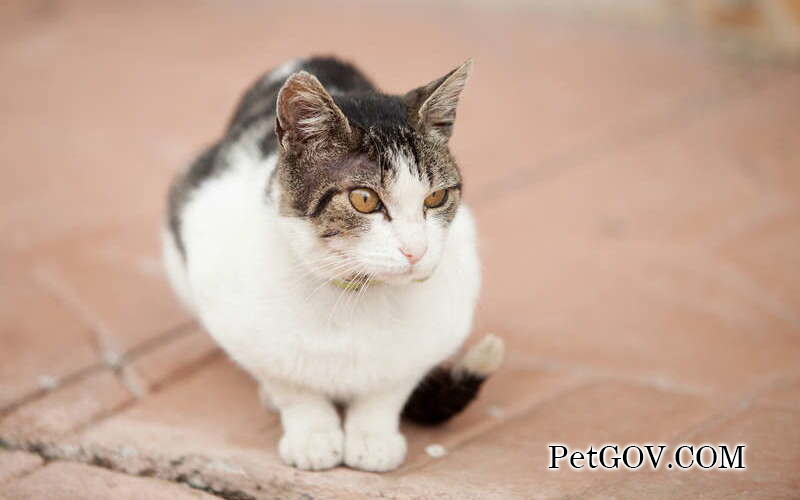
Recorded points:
(445, 391)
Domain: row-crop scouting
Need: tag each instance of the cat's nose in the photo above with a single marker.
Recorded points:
(413, 254)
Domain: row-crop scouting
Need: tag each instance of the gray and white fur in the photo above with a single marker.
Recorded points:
(324, 244)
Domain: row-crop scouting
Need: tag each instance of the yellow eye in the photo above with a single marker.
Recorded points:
(436, 198)
(365, 200)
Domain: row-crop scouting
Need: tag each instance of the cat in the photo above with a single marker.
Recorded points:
(323, 244)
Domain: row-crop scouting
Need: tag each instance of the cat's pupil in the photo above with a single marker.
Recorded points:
(364, 200)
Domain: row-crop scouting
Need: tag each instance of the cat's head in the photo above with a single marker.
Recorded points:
(366, 182)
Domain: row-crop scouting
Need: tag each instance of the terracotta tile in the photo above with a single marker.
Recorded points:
(755, 135)
(647, 311)
(772, 437)
(784, 393)
(688, 485)
(64, 410)
(656, 190)
(172, 356)
(512, 460)
(768, 252)
(214, 417)
(195, 415)
(43, 340)
(17, 463)
(614, 267)
(68, 481)
(114, 279)
(771, 458)
(211, 428)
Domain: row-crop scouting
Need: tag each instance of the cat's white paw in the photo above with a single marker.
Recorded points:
(312, 450)
(375, 452)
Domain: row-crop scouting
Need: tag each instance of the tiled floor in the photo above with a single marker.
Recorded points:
(639, 205)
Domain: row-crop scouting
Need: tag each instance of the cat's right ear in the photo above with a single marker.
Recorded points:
(306, 115)
(433, 106)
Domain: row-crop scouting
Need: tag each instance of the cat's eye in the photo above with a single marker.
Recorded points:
(365, 200)
(436, 199)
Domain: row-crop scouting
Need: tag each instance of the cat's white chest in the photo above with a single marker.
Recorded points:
(340, 342)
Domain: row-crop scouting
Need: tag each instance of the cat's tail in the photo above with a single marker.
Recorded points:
(447, 390)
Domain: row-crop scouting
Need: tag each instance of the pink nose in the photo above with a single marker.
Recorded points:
(413, 256)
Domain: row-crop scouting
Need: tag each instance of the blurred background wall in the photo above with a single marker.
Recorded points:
(756, 28)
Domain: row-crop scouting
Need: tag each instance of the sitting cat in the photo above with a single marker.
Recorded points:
(323, 243)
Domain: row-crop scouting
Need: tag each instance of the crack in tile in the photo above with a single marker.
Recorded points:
(197, 472)
(6, 478)
(188, 470)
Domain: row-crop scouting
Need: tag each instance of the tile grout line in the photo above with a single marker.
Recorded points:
(129, 376)
(103, 336)
(115, 365)
(66, 381)
(182, 374)
(57, 450)
(177, 331)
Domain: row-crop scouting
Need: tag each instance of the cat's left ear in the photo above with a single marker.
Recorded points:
(306, 115)
(433, 106)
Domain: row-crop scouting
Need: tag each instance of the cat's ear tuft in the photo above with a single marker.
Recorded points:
(306, 114)
(433, 106)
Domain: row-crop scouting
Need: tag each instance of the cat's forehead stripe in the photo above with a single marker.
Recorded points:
(395, 148)
(404, 160)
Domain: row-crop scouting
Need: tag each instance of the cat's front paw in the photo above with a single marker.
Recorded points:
(312, 450)
(375, 452)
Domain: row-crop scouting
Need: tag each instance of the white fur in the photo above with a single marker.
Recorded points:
(484, 358)
(250, 278)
